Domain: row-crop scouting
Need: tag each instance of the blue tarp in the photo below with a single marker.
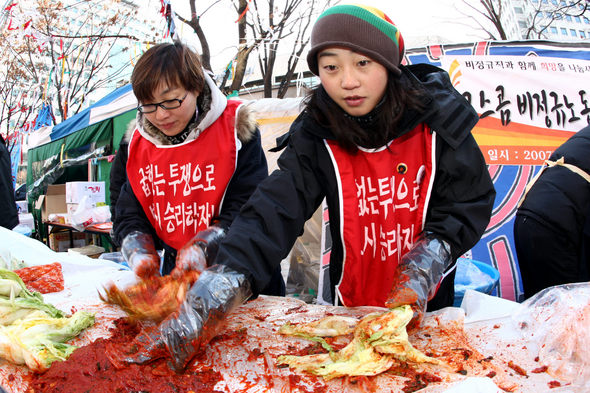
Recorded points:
(81, 120)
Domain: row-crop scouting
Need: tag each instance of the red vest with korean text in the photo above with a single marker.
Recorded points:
(181, 187)
(383, 201)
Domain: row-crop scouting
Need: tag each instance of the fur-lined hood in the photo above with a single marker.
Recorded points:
(211, 103)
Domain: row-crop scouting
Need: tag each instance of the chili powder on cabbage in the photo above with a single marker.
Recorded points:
(88, 370)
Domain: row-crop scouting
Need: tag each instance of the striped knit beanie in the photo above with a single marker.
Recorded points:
(363, 29)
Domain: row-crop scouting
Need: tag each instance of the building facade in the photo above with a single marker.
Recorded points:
(555, 20)
(90, 51)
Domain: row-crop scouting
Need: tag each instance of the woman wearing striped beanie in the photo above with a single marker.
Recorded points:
(389, 147)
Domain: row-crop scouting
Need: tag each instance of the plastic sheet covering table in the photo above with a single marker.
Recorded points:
(83, 277)
(474, 346)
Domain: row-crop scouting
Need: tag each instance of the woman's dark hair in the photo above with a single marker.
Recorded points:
(172, 63)
(351, 133)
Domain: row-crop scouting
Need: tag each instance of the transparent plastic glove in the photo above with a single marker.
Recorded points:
(199, 251)
(140, 253)
(419, 274)
(217, 292)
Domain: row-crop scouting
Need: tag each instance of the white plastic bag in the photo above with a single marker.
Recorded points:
(82, 217)
(101, 214)
(88, 214)
(556, 324)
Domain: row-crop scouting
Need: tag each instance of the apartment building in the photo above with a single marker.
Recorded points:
(547, 17)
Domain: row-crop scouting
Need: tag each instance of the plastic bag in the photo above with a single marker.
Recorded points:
(304, 261)
(469, 276)
(82, 217)
(101, 214)
(88, 214)
(556, 324)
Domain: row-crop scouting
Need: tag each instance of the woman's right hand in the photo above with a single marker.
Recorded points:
(145, 265)
(217, 292)
(140, 253)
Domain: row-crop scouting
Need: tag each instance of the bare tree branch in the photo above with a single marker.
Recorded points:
(45, 58)
(195, 23)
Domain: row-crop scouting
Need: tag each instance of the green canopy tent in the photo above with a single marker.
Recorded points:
(82, 145)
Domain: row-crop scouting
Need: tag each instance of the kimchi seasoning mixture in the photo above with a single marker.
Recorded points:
(43, 278)
(88, 370)
(415, 380)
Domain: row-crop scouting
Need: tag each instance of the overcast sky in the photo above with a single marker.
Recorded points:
(416, 19)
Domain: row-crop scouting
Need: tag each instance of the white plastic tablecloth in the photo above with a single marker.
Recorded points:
(487, 319)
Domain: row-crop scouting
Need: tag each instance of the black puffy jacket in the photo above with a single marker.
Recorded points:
(459, 208)
(565, 192)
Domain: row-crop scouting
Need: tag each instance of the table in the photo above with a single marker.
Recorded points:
(246, 352)
(96, 229)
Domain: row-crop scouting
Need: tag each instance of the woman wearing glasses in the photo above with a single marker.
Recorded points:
(193, 159)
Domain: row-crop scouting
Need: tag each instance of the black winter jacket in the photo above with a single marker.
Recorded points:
(9, 215)
(459, 209)
(118, 175)
(560, 198)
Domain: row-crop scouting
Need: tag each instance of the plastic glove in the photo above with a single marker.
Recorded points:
(217, 292)
(140, 253)
(199, 251)
(419, 274)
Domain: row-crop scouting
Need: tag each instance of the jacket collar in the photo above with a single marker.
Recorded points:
(446, 111)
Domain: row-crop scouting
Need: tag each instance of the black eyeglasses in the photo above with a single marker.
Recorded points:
(168, 104)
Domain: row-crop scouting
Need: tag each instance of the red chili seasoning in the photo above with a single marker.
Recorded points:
(416, 380)
(294, 310)
(517, 368)
(299, 384)
(539, 370)
(255, 354)
(89, 370)
(43, 278)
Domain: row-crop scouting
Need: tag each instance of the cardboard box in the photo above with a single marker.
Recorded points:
(53, 202)
(60, 241)
(76, 190)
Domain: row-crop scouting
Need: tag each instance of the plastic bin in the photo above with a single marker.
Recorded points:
(474, 275)
(115, 257)
(23, 230)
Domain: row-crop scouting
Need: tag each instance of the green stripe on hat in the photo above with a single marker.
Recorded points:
(359, 11)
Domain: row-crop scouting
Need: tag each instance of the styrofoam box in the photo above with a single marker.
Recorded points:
(76, 190)
(22, 207)
(27, 220)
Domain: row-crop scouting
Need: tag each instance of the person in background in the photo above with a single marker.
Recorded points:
(118, 175)
(390, 149)
(9, 216)
(193, 160)
(552, 224)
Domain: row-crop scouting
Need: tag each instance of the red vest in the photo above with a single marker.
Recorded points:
(181, 187)
(383, 201)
